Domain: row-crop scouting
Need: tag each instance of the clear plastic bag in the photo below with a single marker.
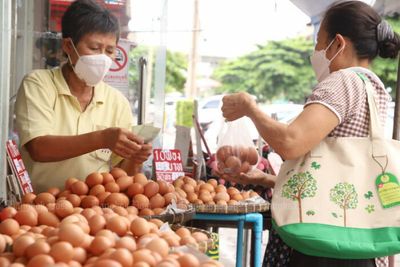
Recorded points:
(236, 151)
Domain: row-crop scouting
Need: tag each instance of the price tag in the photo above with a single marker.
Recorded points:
(18, 168)
(168, 164)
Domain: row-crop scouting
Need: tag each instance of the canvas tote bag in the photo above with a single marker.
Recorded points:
(342, 199)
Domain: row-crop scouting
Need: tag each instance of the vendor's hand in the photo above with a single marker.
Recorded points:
(122, 142)
(142, 155)
(257, 177)
(237, 105)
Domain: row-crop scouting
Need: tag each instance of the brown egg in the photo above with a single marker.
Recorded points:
(25, 217)
(44, 198)
(106, 263)
(207, 186)
(188, 188)
(126, 242)
(64, 193)
(89, 201)
(146, 212)
(74, 199)
(21, 244)
(117, 225)
(102, 197)
(54, 191)
(158, 211)
(80, 188)
(213, 182)
(245, 194)
(79, 255)
(222, 196)
(93, 179)
(37, 248)
(199, 236)
(64, 208)
(62, 251)
(140, 178)
(178, 183)
(69, 182)
(233, 164)
(112, 187)
(223, 153)
(40, 209)
(169, 197)
(245, 167)
(117, 199)
(9, 227)
(28, 198)
(252, 156)
(132, 210)
(237, 197)
(135, 189)
(151, 188)
(99, 245)
(158, 245)
(139, 227)
(180, 193)
(41, 260)
(157, 201)
(182, 232)
(107, 178)
(188, 260)
(123, 256)
(71, 233)
(96, 223)
(233, 191)
(187, 240)
(222, 202)
(162, 187)
(88, 213)
(143, 258)
(5, 262)
(198, 202)
(120, 210)
(48, 218)
(97, 189)
(140, 201)
(124, 182)
(205, 197)
(117, 172)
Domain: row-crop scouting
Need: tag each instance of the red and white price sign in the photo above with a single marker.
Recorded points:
(18, 167)
(168, 164)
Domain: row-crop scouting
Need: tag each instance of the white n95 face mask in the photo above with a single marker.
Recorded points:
(91, 68)
(320, 63)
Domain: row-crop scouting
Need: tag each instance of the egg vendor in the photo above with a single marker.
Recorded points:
(70, 123)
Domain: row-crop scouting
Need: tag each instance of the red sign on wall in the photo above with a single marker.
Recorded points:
(18, 167)
(168, 164)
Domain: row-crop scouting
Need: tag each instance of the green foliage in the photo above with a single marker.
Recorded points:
(184, 112)
(386, 69)
(277, 70)
(344, 195)
(175, 68)
(300, 185)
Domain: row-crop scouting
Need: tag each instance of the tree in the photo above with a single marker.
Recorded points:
(298, 187)
(344, 195)
(277, 70)
(176, 65)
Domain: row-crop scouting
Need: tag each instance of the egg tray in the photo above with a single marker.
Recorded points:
(232, 209)
(175, 217)
(202, 246)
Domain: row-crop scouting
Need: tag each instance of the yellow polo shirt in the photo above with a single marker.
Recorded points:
(45, 106)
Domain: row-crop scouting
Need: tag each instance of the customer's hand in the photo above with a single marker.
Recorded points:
(257, 177)
(122, 142)
(237, 105)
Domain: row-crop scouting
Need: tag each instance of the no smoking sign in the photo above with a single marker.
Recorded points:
(121, 58)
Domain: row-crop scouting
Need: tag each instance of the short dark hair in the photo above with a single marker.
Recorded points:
(358, 21)
(87, 16)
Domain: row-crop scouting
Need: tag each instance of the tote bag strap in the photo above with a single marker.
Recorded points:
(375, 127)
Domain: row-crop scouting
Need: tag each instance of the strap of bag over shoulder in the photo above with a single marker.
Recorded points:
(375, 127)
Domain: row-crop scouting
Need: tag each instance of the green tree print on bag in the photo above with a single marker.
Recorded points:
(299, 186)
(344, 195)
